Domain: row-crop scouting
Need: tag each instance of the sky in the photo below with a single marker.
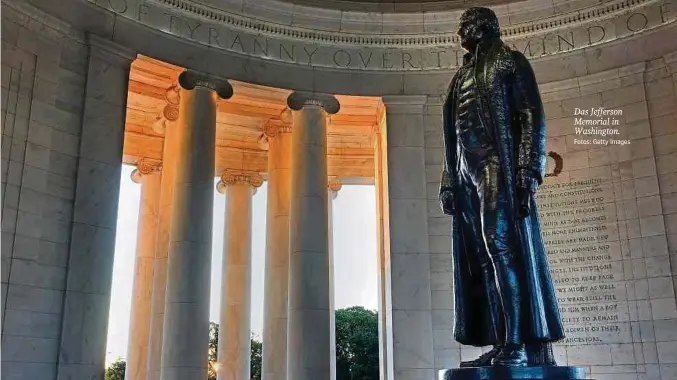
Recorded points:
(354, 236)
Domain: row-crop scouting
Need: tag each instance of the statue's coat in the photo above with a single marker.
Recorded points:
(511, 108)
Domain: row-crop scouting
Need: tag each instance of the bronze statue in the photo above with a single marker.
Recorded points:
(494, 138)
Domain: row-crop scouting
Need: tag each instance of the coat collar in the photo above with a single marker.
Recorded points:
(480, 51)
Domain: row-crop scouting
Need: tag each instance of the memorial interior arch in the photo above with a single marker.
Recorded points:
(71, 115)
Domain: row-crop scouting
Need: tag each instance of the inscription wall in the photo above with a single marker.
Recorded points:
(604, 223)
(580, 229)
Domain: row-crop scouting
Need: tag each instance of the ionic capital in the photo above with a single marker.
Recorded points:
(189, 79)
(170, 112)
(334, 184)
(144, 167)
(173, 95)
(232, 177)
(276, 127)
(299, 99)
(286, 116)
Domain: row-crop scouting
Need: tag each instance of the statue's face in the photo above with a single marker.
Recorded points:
(477, 24)
(470, 34)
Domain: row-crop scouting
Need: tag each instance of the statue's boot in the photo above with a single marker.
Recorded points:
(494, 316)
(484, 360)
(512, 353)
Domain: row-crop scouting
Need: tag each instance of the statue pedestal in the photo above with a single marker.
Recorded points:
(514, 373)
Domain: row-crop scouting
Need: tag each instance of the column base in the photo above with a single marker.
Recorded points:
(513, 373)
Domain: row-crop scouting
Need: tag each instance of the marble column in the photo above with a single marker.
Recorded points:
(334, 184)
(277, 135)
(147, 174)
(186, 324)
(235, 319)
(309, 326)
(166, 126)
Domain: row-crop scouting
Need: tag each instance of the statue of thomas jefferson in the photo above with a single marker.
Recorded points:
(494, 139)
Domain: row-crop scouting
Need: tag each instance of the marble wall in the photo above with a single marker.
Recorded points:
(43, 84)
(408, 265)
(63, 111)
(614, 281)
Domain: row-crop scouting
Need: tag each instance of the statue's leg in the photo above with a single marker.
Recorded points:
(495, 318)
(495, 314)
(481, 260)
(498, 236)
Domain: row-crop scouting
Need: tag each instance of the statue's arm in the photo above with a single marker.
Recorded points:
(531, 155)
(447, 181)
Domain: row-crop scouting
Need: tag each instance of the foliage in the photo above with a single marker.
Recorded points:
(116, 371)
(256, 359)
(357, 351)
(356, 348)
(214, 349)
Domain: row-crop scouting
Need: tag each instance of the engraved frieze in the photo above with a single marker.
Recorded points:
(378, 52)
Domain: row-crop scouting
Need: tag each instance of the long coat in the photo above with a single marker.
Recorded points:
(512, 111)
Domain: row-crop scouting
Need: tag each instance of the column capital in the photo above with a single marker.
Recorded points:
(276, 127)
(145, 166)
(334, 184)
(189, 79)
(232, 177)
(173, 94)
(299, 99)
(170, 112)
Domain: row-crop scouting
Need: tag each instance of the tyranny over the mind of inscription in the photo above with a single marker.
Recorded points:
(251, 37)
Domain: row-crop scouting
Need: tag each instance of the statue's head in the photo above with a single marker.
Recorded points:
(477, 24)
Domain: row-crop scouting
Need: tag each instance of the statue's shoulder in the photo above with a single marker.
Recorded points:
(520, 59)
(502, 58)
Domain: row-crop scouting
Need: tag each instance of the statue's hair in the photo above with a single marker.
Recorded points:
(484, 18)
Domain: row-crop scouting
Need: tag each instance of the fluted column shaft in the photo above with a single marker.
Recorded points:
(275, 300)
(309, 326)
(167, 126)
(235, 317)
(148, 175)
(186, 325)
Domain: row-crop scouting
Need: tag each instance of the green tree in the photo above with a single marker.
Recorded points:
(357, 344)
(255, 359)
(213, 349)
(116, 371)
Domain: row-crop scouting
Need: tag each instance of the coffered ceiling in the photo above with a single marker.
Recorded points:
(240, 123)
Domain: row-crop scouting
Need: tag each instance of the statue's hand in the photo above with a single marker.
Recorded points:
(447, 202)
(523, 202)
